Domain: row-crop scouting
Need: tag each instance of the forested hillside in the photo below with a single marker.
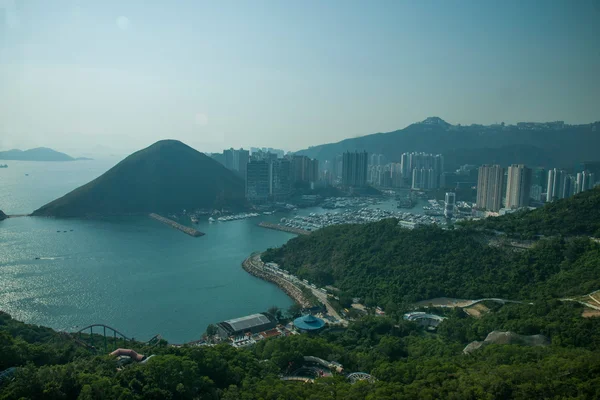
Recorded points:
(406, 361)
(577, 215)
(384, 263)
(167, 176)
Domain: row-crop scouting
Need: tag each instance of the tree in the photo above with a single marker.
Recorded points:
(295, 310)
(275, 312)
(211, 330)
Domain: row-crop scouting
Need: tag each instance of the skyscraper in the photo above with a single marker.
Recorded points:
(423, 161)
(556, 184)
(258, 180)
(450, 203)
(585, 181)
(489, 187)
(518, 186)
(305, 169)
(236, 160)
(424, 179)
(281, 179)
(354, 168)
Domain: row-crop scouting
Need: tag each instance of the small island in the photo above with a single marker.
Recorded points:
(2, 216)
(37, 154)
(165, 178)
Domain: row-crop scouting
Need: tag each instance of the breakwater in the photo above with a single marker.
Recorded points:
(284, 228)
(254, 266)
(185, 229)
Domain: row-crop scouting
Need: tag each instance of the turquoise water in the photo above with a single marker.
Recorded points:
(134, 274)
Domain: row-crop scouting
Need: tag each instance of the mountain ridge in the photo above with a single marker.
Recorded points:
(37, 154)
(562, 145)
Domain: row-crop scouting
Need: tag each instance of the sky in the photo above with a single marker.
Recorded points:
(89, 76)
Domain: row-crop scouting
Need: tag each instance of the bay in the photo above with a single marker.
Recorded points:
(134, 274)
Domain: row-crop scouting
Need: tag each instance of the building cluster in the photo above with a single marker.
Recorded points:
(419, 171)
(247, 330)
(270, 175)
(519, 186)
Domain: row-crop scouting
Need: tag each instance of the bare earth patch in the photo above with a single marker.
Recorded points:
(477, 310)
(590, 313)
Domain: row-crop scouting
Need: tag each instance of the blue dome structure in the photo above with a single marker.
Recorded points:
(308, 323)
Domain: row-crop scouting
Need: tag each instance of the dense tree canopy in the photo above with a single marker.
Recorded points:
(383, 263)
(407, 361)
(577, 215)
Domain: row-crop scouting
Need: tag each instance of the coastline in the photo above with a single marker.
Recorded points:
(255, 267)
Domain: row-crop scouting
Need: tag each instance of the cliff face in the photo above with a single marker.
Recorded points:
(168, 176)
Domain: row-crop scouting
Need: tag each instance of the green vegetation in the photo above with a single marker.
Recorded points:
(389, 266)
(577, 215)
(168, 176)
(407, 362)
(37, 154)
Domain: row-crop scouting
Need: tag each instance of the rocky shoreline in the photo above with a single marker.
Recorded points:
(254, 266)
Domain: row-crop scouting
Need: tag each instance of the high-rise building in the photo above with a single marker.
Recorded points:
(305, 169)
(489, 187)
(540, 177)
(424, 179)
(536, 192)
(281, 179)
(556, 184)
(258, 180)
(354, 168)
(268, 180)
(518, 186)
(423, 161)
(585, 181)
(236, 160)
(450, 203)
(405, 165)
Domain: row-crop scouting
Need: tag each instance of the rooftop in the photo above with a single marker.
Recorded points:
(309, 323)
(247, 322)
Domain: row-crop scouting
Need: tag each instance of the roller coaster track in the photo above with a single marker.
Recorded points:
(115, 336)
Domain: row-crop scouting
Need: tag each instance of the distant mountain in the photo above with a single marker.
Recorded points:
(37, 154)
(168, 176)
(2, 216)
(549, 144)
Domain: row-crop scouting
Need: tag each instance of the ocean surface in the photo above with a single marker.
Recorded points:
(134, 274)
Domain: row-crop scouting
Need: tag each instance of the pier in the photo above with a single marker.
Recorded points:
(284, 228)
(185, 229)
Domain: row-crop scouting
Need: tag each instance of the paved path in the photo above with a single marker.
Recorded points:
(258, 263)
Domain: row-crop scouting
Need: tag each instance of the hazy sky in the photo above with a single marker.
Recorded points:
(83, 76)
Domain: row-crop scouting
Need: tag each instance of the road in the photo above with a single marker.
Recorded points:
(256, 261)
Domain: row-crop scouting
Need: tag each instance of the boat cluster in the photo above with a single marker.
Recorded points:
(360, 216)
(345, 202)
(235, 217)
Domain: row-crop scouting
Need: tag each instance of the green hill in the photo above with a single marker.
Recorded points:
(545, 144)
(37, 154)
(168, 176)
(387, 265)
(577, 215)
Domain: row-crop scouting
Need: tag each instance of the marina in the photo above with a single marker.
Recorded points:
(185, 229)
(284, 228)
(313, 221)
